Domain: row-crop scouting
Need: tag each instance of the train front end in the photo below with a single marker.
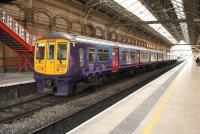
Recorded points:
(51, 66)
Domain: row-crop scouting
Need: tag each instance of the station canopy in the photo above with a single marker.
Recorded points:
(168, 21)
(138, 9)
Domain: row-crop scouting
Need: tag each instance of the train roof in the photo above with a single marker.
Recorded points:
(57, 35)
(85, 39)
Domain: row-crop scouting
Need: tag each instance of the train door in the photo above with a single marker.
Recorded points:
(61, 61)
(115, 62)
(157, 56)
(50, 62)
(149, 56)
(137, 57)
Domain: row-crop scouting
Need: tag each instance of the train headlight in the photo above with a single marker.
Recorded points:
(40, 68)
(61, 68)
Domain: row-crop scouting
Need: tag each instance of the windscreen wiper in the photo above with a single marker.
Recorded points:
(60, 61)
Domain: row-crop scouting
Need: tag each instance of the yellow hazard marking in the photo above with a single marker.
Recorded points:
(160, 108)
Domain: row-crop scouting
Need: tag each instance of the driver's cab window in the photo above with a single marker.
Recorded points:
(62, 51)
(40, 51)
(51, 47)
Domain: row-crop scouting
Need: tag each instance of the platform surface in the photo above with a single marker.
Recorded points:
(167, 105)
(10, 79)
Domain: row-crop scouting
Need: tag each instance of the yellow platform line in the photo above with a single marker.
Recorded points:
(160, 108)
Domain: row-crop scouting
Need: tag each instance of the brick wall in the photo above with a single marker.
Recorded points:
(10, 59)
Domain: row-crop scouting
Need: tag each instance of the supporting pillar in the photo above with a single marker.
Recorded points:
(29, 15)
(30, 3)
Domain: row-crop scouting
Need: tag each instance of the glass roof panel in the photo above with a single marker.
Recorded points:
(143, 15)
(163, 31)
(119, 1)
(135, 6)
(178, 6)
(126, 3)
(138, 9)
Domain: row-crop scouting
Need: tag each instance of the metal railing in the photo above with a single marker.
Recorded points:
(17, 28)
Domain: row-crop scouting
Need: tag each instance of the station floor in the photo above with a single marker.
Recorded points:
(10, 79)
(168, 105)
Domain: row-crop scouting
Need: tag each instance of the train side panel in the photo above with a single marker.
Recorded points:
(92, 60)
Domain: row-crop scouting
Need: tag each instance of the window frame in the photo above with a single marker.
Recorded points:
(48, 48)
(93, 53)
(126, 55)
(81, 58)
(44, 46)
(145, 55)
(132, 55)
(103, 53)
(66, 49)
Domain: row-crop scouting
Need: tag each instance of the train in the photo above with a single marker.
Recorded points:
(65, 64)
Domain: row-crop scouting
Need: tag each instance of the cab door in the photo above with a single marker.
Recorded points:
(50, 59)
(61, 62)
(115, 62)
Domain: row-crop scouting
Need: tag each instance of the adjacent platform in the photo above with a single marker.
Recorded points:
(167, 105)
(14, 86)
(11, 79)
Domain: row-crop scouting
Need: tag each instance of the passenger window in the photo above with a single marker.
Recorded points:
(132, 56)
(91, 54)
(40, 51)
(81, 56)
(125, 56)
(103, 55)
(143, 55)
(51, 51)
(62, 51)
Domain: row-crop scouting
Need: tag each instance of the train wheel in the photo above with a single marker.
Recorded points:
(132, 72)
(72, 89)
(99, 82)
(80, 87)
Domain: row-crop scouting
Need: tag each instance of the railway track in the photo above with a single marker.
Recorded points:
(16, 111)
(26, 108)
